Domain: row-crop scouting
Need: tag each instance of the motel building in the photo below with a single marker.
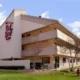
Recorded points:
(29, 39)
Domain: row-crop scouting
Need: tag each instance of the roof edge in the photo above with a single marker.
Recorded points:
(48, 19)
(68, 29)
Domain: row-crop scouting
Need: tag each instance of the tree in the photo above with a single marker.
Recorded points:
(76, 49)
(68, 49)
(36, 50)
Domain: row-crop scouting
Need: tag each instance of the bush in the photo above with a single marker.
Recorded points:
(66, 71)
(71, 69)
(12, 67)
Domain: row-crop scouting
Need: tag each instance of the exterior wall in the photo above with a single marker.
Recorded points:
(28, 26)
(52, 62)
(30, 23)
(60, 51)
(11, 48)
(40, 30)
(64, 37)
(66, 65)
(61, 64)
(25, 63)
(34, 58)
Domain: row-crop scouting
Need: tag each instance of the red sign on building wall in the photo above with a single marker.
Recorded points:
(9, 30)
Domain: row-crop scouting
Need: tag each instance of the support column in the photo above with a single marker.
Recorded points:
(51, 59)
(51, 65)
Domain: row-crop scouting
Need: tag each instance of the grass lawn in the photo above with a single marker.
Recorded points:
(20, 76)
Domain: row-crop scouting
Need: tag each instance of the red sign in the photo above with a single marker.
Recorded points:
(9, 30)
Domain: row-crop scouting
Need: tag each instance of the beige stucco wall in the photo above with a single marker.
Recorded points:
(11, 48)
(28, 26)
(61, 64)
(30, 23)
(64, 37)
(65, 51)
(66, 65)
(25, 63)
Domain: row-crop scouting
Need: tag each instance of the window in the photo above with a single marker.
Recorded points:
(22, 48)
(78, 60)
(28, 34)
(73, 60)
(54, 28)
(46, 60)
(70, 60)
(64, 60)
(23, 35)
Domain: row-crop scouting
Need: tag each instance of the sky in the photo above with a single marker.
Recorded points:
(66, 11)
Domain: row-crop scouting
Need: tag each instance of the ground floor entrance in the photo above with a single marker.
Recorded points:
(56, 62)
(35, 65)
(45, 62)
(50, 62)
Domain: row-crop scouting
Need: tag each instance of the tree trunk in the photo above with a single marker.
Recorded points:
(72, 65)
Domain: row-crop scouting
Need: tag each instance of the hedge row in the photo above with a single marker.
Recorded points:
(12, 67)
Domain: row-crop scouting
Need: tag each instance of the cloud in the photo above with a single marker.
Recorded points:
(78, 34)
(75, 26)
(2, 17)
(1, 5)
(60, 19)
(75, 30)
(45, 14)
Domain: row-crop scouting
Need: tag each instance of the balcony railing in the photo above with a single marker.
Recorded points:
(41, 36)
(30, 39)
(47, 35)
(65, 51)
(65, 37)
(44, 51)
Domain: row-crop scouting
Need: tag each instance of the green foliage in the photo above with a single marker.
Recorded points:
(12, 67)
(69, 69)
(20, 76)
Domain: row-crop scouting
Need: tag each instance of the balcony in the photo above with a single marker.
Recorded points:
(65, 51)
(30, 39)
(64, 37)
(44, 51)
(47, 35)
(41, 36)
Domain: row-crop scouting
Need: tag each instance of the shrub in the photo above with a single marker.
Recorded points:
(12, 67)
(66, 71)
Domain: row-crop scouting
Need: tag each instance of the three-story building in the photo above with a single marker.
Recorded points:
(37, 39)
